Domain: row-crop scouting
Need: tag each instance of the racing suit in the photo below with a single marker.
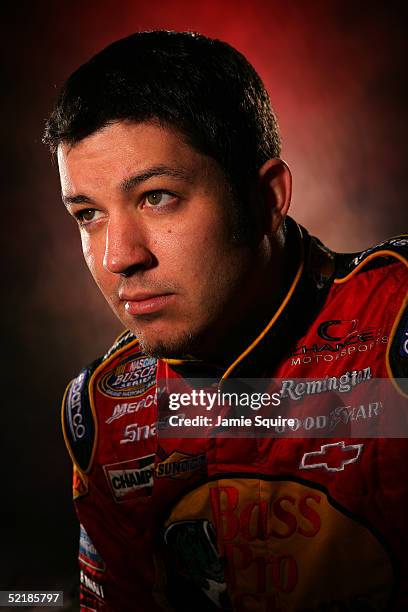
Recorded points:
(257, 524)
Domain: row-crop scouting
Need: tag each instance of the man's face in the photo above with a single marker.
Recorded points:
(157, 228)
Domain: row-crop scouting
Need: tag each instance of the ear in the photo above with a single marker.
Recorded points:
(275, 184)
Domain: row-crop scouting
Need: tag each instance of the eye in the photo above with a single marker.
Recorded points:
(156, 198)
(86, 215)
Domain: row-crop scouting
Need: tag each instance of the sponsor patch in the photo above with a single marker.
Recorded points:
(337, 418)
(188, 541)
(398, 354)
(337, 339)
(403, 351)
(125, 408)
(332, 457)
(399, 244)
(74, 403)
(130, 378)
(130, 479)
(180, 466)
(267, 533)
(78, 421)
(79, 484)
(88, 554)
(342, 335)
(296, 390)
(336, 329)
(91, 585)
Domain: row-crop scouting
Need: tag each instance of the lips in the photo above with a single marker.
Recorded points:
(144, 303)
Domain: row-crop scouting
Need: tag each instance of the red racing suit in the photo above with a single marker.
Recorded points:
(254, 524)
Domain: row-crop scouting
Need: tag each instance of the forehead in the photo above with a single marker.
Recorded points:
(114, 152)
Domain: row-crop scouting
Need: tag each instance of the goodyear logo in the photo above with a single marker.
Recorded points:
(130, 378)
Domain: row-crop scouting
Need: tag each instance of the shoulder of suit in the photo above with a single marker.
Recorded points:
(383, 254)
(395, 287)
(78, 411)
(123, 340)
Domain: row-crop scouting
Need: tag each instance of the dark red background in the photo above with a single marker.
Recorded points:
(336, 73)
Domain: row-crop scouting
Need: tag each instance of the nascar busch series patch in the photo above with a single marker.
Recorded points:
(132, 377)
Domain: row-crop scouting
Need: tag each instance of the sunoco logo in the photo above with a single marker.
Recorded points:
(131, 378)
(130, 479)
(178, 465)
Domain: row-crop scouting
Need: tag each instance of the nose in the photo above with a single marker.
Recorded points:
(125, 246)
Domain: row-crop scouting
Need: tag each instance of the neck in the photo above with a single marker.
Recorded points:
(258, 301)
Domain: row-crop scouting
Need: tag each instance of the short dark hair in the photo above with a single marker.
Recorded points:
(201, 86)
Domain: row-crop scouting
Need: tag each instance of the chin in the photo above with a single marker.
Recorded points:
(175, 347)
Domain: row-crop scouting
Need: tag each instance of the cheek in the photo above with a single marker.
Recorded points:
(93, 255)
(88, 251)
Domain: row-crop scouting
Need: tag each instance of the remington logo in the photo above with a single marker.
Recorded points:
(295, 389)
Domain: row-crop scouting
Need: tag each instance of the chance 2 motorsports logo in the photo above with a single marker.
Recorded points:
(337, 339)
(130, 378)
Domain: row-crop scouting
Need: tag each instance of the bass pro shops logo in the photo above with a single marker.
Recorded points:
(130, 378)
(338, 339)
(332, 457)
(260, 538)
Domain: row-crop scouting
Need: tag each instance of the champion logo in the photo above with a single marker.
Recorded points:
(332, 457)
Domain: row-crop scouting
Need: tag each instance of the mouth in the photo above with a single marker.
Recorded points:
(144, 304)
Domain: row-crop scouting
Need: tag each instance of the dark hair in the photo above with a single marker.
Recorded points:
(203, 87)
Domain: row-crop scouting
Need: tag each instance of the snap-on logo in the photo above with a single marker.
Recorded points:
(332, 457)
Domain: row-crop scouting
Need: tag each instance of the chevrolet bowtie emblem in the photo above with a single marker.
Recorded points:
(332, 457)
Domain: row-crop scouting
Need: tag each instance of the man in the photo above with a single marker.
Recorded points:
(168, 153)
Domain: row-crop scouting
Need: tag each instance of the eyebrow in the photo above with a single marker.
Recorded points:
(136, 179)
(160, 170)
(77, 199)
